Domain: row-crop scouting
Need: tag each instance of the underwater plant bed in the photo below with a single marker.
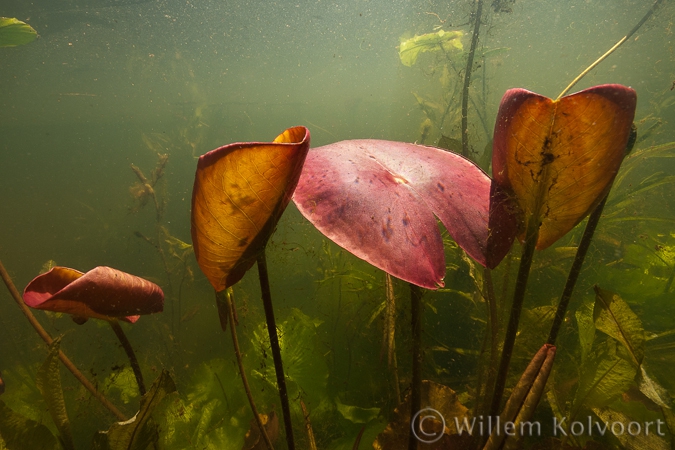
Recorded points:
(366, 292)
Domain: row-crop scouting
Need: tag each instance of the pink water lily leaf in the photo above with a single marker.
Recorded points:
(101, 293)
(377, 199)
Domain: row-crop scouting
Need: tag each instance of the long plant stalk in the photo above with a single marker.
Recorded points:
(531, 237)
(276, 350)
(48, 340)
(128, 349)
(614, 47)
(575, 270)
(416, 384)
(467, 79)
(226, 297)
(578, 262)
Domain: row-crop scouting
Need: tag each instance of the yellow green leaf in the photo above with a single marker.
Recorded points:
(410, 49)
(14, 32)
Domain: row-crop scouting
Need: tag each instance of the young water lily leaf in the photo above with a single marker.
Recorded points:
(239, 194)
(14, 32)
(558, 157)
(101, 293)
(377, 199)
(524, 399)
(448, 41)
(49, 383)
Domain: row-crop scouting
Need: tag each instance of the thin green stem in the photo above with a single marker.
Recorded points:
(467, 79)
(48, 340)
(276, 350)
(126, 345)
(416, 384)
(531, 237)
(225, 296)
(611, 50)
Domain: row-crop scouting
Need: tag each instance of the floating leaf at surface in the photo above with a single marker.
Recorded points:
(239, 194)
(14, 32)
(613, 316)
(101, 293)
(448, 41)
(559, 157)
(49, 383)
(377, 199)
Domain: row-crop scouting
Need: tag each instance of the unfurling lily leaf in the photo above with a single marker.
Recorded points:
(524, 398)
(559, 157)
(448, 41)
(239, 194)
(377, 199)
(101, 293)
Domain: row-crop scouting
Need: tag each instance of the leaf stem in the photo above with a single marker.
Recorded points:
(611, 50)
(226, 297)
(467, 80)
(274, 344)
(573, 275)
(128, 349)
(585, 243)
(416, 384)
(531, 237)
(48, 339)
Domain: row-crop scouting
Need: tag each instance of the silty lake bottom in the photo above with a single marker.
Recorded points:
(115, 92)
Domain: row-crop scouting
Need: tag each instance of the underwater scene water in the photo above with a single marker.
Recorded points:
(104, 116)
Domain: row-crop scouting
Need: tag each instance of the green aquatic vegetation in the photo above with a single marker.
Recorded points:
(440, 41)
(49, 382)
(14, 32)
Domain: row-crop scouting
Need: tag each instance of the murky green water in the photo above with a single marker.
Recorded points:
(111, 83)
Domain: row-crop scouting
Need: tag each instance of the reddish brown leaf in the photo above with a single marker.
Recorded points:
(377, 199)
(101, 293)
(239, 194)
(558, 158)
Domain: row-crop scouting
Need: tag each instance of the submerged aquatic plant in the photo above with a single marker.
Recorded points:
(379, 199)
(557, 159)
(240, 192)
(102, 293)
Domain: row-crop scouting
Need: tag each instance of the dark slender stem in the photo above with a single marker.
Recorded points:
(575, 270)
(489, 368)
(467, 80)
(126, 345)
(225, 296)
(48, 340)
(516, 307)
(276, 350)
(416, 384)
(585, 243)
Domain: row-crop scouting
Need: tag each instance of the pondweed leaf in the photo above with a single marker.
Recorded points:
(613, 316)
